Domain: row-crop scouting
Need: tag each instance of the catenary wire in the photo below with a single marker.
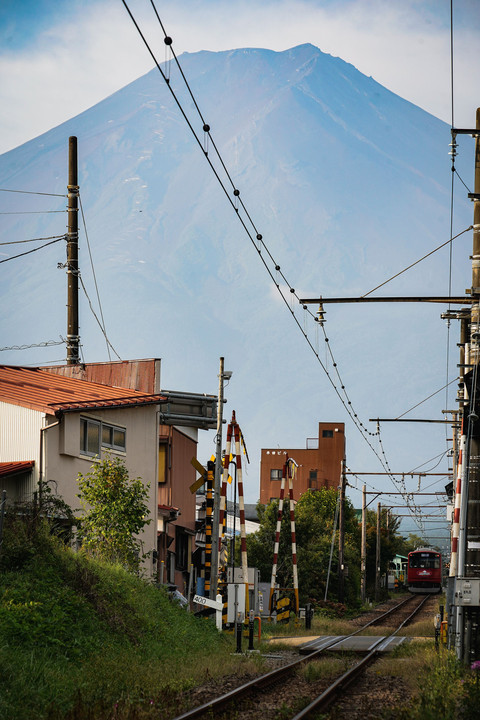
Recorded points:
(259, 238)
(235, 207)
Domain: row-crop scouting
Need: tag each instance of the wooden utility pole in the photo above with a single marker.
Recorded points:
(341, 538)
(363, 551)
(73, 340)
(377, 554)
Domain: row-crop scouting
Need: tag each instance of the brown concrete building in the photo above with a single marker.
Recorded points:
(319, 463)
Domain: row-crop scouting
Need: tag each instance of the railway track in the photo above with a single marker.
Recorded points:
(263, 691)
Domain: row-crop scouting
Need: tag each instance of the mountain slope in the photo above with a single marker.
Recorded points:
(347, 183)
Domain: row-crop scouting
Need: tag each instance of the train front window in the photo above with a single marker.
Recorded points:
(427, 562)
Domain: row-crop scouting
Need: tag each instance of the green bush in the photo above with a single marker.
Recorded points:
(80, 638)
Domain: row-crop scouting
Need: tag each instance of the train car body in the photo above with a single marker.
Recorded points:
(424, 572)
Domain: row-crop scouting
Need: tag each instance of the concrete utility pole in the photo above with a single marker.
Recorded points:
(472, 554)
(363, 551)
(73, 340)
(377, 554)
(218, 473)
(341, 538)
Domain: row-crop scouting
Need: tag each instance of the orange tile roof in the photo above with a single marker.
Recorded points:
(15, 468)
(51, 393)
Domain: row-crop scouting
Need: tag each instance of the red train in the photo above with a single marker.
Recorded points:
(424, 572)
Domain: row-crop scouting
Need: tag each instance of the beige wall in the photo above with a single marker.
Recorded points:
(64, 461)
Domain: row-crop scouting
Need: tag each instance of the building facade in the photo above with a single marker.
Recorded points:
(319, 463)
(56, 422)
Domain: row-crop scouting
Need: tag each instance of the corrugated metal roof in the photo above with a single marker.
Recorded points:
(138, 375)
(15, 468)
(48, 392)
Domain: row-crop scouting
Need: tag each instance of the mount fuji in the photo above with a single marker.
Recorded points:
(346, 182)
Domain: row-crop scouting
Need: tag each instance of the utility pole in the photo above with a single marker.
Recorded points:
(73, 340)
(341, 538)
(472, 554)
(216, 496)
(363, 551)
(377, 554)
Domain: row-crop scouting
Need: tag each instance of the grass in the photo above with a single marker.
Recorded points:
(327, 667)
(79, 639)
(441, 686)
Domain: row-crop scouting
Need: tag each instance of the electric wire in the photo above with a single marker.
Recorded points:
(258, 237)
(31, 212)
(19, 242)
(47, 343)
(94, 277)
(31, 192)
(79, 275)
(447, 242)
(461, 180)
(425, 399)
(28, 252)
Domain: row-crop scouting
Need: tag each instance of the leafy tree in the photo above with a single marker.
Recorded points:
(391, 543)
(314, 518)
(116, 510)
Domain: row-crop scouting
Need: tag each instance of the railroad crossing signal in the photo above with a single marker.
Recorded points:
(203, 475)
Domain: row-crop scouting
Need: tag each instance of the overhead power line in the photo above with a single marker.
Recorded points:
(48, 343)
(236, 202)
(31, 212)
(32, 192)
(19, 242)
(95, 282)
(52, 242)
(447, 242)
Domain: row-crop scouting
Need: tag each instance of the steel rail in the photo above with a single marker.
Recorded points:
(263, 681)
(341, 683)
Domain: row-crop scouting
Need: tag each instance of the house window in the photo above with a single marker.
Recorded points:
(275, 474)
(327, 433)
(113, 437)
(312, 480)
(89, 437)
(95, 434)
(162, 463)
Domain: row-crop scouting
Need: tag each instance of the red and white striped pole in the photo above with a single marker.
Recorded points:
(456, 511)
(292, 471)
(277, 538)
(241, 504)
(223, 491)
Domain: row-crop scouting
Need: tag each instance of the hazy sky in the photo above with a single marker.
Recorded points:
(58, 58)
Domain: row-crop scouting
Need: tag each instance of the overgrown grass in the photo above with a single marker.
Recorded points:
(442, 687)
(79, 639)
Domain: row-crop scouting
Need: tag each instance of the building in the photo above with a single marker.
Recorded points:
(319, 463)
(53, 427)
(54, 421)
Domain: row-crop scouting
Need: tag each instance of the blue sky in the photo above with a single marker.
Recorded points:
(58, 58)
